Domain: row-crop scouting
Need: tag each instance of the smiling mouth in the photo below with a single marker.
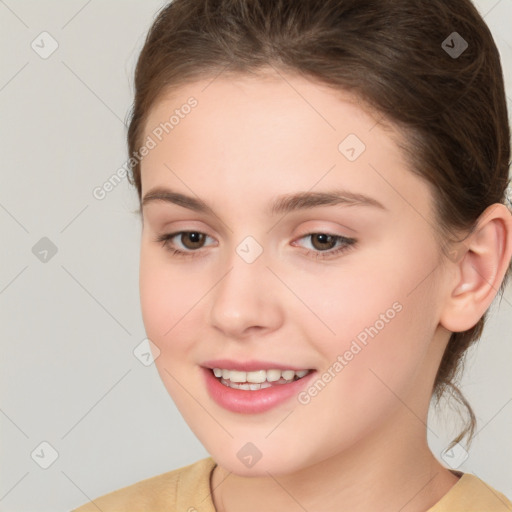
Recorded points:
(259, 379)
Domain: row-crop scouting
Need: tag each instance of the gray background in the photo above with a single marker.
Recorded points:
(69, 325)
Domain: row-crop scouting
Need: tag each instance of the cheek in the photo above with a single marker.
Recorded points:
(381, 319)
(167, 298)
(155, 295)
(165, 295)
(371, 366)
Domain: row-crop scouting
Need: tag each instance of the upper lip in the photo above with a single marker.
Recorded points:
(249, 366)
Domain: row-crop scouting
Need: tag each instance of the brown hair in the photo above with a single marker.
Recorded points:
(390, 53)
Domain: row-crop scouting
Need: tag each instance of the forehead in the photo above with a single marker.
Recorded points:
(265, 98)
(268, 112)
(274, 127)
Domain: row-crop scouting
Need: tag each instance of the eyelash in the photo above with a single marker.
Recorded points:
(348, 243)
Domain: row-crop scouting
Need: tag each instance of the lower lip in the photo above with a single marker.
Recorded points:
(252, 402)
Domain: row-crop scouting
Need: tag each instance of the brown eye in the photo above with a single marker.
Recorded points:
(324, 245)
(183, 243)
(192, 239)
(322, 241)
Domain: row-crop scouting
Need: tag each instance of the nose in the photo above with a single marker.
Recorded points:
(246, 300)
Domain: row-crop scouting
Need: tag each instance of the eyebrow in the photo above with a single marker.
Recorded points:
(280, 205)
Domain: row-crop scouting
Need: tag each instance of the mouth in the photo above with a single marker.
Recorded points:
(251, 389)
(257, 379)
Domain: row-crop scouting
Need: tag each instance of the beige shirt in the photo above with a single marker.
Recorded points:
(187, 489)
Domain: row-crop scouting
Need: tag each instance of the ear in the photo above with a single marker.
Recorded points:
(480, 266)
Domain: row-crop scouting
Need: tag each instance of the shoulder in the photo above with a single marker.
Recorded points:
(184, 488)
(471, 494)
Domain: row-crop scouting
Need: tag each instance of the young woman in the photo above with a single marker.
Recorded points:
(323, 200)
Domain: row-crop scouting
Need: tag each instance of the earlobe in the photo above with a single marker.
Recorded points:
(480, 270)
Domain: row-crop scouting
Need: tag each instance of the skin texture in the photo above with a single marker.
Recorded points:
(360, 443)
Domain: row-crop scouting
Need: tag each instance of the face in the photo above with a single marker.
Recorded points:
(342, 281)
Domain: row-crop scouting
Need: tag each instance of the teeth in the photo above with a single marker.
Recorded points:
(234, 375)
(258, 376)
(246, 385)
(273, 375)
(255, 377)
(288, 374)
